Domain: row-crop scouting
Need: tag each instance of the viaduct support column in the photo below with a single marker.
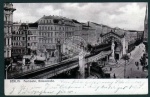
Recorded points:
(89, 69)
(123, 45)
(82, 63)
(113, 49)
(58, 47)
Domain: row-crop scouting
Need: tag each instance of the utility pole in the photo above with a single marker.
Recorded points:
(125, 57)
(125, 69)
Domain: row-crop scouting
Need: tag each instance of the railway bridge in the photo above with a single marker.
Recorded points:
(108, 48)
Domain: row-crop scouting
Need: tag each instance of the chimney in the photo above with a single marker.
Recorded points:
(88, 24)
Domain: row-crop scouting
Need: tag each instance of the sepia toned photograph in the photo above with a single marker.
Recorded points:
(76, 40)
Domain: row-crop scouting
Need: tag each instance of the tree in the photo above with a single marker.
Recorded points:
(125, 57)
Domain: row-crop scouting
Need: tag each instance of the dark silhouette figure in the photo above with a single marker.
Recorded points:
(110, 69)
(114, 75)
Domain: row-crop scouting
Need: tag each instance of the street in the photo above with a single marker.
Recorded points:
(132, 71)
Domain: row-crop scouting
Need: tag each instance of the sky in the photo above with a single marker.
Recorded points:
(128, 16)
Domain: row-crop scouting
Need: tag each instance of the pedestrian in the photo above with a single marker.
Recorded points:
(143, 68)
(27, 66)
(114, 75)
(117, 62)
(137, 63)
(110, 69)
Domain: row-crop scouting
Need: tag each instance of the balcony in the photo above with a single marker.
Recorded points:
(7, 35)
(8, 22)
(7, 46)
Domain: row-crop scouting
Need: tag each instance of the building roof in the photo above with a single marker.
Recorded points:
(115, 33)
(133, 31)
(9, 6)
(101, 25)
(75, 21)
(96, 24)
(51, 17)
(55, 17)
(33, 24)
(120, 33)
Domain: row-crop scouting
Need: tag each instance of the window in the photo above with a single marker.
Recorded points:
(15, 38)
(23, 38)
(51, 40)
(40, 21)
(51, 34)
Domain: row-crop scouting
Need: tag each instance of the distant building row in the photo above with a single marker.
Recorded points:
(23, 38)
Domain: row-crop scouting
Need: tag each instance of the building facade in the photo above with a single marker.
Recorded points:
(52, 29)
(19, 39)
(133, 38)
(8, 23)
(32, 38)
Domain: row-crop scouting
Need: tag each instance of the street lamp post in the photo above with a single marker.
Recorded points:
(7, 69)
(125, 69)
(125, 57)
